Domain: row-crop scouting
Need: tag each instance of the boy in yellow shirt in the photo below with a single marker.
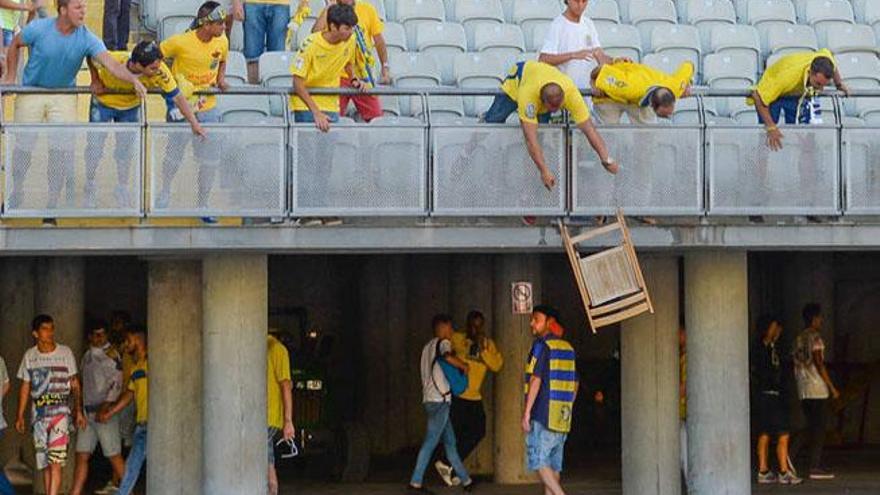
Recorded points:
(199, 63)
(145, 61)
(535, 90)
(789, 86)
(138, 390)
(279, 399)
(320, 60)
(640, 91)
(367, 35)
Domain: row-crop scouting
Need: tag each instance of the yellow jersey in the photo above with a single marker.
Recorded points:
(278, 370)
(286, 3)
(488, 359)
(163, 80)
(319, 64)
(523, 85)
(788, 76)
(370, 25)
(630, 83)
(138, 385)
(197, 62)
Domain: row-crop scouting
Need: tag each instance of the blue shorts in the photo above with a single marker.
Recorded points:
(100, 113)
(787, 107)
(502, 107)
(305, 116)
(265, 29)
(544, 448)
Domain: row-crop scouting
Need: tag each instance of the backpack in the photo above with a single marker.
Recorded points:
(458, 380)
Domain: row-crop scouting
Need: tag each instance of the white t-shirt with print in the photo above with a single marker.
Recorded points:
(565, 36)
(809, 382)
(49, 375)
(435, 387)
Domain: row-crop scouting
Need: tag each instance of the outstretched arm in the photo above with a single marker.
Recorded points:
(598, 144)
(530, 131)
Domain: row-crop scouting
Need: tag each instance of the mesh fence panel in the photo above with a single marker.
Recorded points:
(357, 171)
(747, 178)
(486, 170)
(660, 173)
(235, 171)
(861, 158)
(70, 170)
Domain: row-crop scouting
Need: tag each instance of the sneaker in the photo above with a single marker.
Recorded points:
(767, 478)
(331, 221)
(445, 472)
(209, 220)
(529, 221)
(788, 478)
(108, 489)
(791, 468)
(470, 486)
(420, 490)
(821, 474)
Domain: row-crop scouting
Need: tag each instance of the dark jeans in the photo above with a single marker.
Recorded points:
(469, 421)
(816, 411)
(116, 23)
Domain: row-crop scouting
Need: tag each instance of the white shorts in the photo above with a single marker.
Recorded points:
(105, 433)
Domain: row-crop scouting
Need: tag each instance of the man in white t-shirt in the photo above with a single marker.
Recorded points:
(572, 44)
(814, 388)
(437, 397)
(48, 377)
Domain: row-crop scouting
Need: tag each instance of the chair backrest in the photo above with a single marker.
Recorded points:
(817, 11)
(275, 68)
(440, 105)
(603, 10)
(498, 35)
(441, 34)
(236, 68)
(859, 66)
(174, 24)
(478, 10)
(678, 36)
(477, 70)
(786, 39)
(242, 109)
(395, 36)
(761, 11)
(739, 36)
(420, 10)
(729, 70)
(652, 10)
(850, 38)
(535, 37)
(415, 69)
(304, 30)
(710, 10)
(610, 282)
(623, 36)
(667, 62)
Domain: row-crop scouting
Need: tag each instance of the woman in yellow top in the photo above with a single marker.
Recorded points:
(467, 412)
(788, 87)
(640, 91)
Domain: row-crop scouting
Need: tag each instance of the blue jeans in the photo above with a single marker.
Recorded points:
(544, 448)
(206, 151)
(502, 107)
(8, 35)
(305, 116)
(439, 428)
(787, 107)
(122, 151)
(265, 29)
(5, 486)
(135, 460)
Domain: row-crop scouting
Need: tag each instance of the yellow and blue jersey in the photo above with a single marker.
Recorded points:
(553, 361)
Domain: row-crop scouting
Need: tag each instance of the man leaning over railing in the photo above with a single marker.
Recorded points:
(536, 90)
(57, 48)
(146, 62)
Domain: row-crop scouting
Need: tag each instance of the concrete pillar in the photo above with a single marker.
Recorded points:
(471, 288)
(174, 320)
(514, 339)
(649, 388)
(716, 309)
(235, 304)
(16, 312)
(60, 293)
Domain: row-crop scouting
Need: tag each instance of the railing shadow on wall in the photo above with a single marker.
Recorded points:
(257, 163)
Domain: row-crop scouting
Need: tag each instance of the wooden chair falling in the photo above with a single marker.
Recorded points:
(610, 281)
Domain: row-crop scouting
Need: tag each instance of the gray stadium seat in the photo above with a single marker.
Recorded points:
(390, 105)
(646, 14)
(859, 9)
(708, 14)
(729, 70)
(679, 39)
(667, 62)
(316, 7)
(527, 12)
(603, 11)
(275, 69)
(304, 31)
(415, 13)
(687, 110)
(853, 122)
(391, 9)
(443, 41)
(855, 106)
(415, 70)
(505, 41)
(396, 121)
(174, 24)
(739, 38)
(395, 37)
(859, 67)
(819, 11)
(245, 109)
(475, 70)
(472, 12)
(742, 8)
(789, 39)
(872, 16)
(621, 40)
(236, 68)
(172, 14)
(766, 13)
(850, 38)
(442, 108)
(535, 38)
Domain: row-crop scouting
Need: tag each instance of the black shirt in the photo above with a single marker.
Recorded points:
(768, 368)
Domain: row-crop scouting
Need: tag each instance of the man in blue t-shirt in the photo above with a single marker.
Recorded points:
(57, 47)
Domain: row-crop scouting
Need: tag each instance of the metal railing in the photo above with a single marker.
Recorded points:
(271, 167)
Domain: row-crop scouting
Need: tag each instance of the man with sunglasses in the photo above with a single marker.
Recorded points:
(145, 61)
(199, 63)
(101, 370)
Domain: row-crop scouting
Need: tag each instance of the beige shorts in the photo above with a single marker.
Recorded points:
(610, 113)
(39, 108)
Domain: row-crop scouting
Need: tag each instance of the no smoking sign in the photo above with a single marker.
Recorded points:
(521, 297)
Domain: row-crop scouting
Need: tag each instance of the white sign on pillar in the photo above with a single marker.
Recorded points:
(521, 296)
